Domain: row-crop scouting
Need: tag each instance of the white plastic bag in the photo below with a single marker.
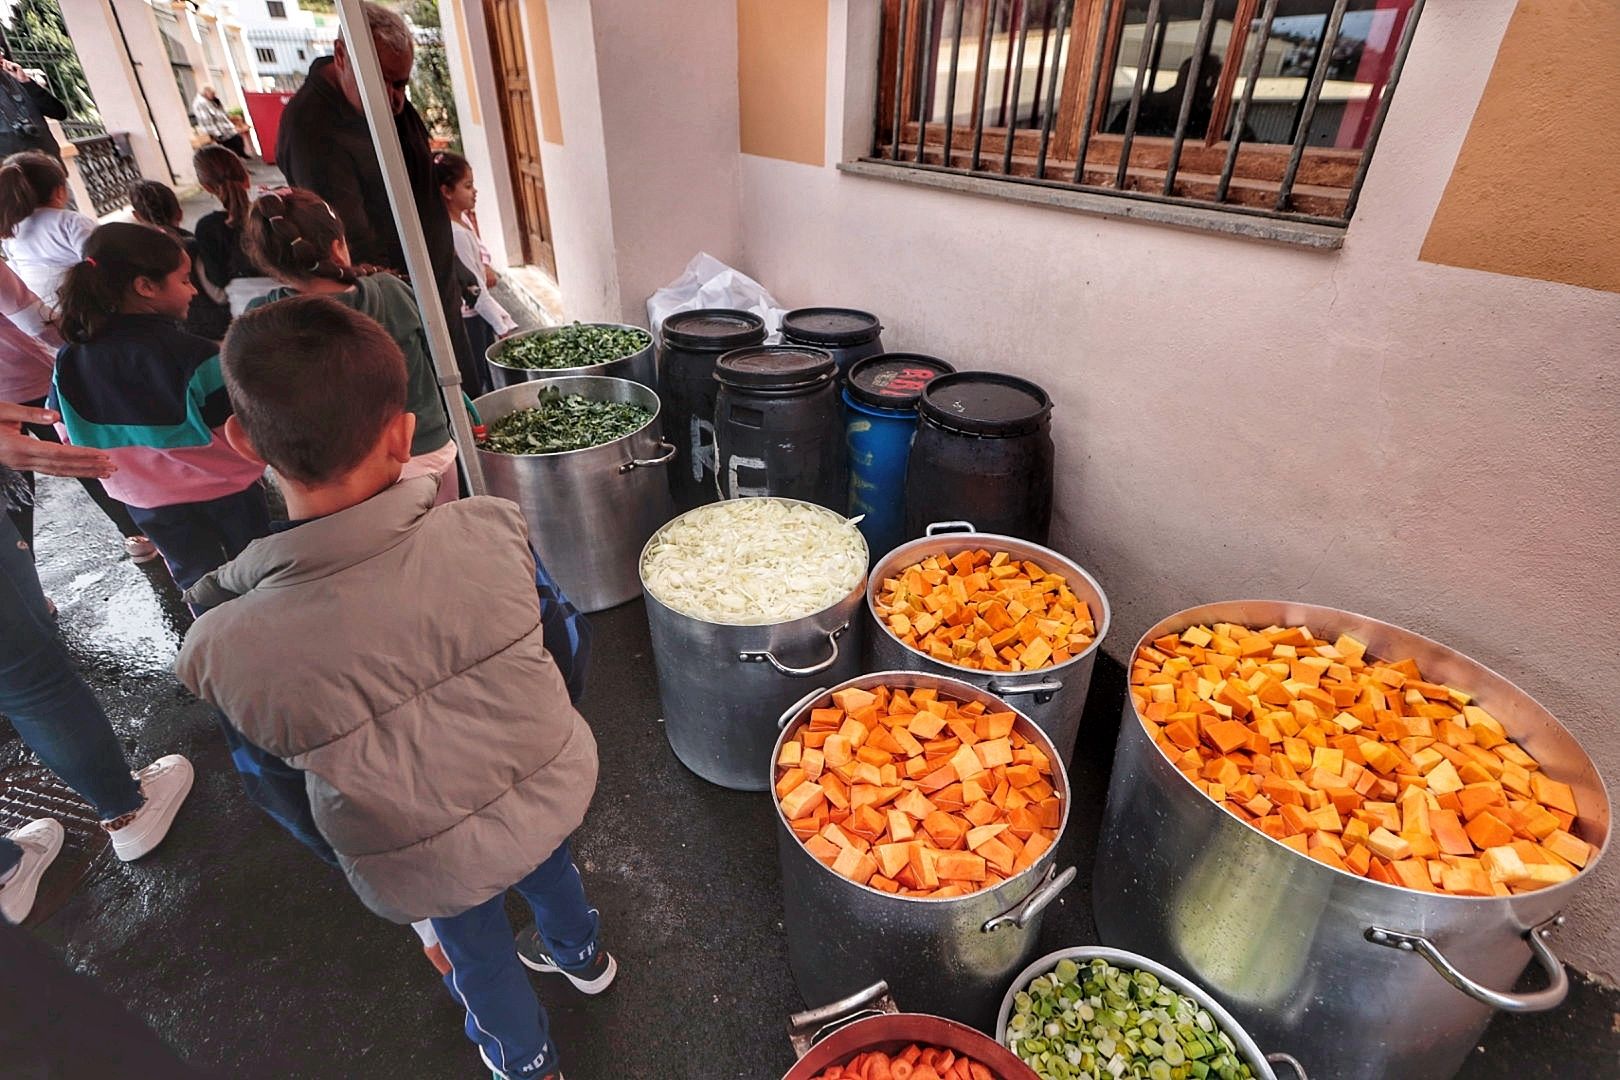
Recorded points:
(709, 283)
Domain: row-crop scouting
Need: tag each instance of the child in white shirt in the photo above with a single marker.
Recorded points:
(484, 317)
(39, 236)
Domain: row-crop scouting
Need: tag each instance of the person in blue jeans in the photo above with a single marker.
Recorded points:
(53, 710)
(428, 745)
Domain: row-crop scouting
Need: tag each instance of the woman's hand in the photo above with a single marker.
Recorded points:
(489, 277)
(19, 450)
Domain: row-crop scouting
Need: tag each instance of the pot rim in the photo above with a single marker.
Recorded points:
(546, 331)
(968, 690)
(557, 455)
(876, 576)
(1081, 954)
(855, 591)
(888, 1018)
(1202, 613)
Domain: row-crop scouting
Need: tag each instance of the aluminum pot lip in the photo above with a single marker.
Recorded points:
(854, 593)
(966, 691)
(576, 383)
(1225, 610)
(546, 331)
(1082, 954)
(874, 1039)
(902, 556)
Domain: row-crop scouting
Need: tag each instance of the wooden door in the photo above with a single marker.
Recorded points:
(505, 20)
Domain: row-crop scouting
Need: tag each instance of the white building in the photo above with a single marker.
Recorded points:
(284, 39)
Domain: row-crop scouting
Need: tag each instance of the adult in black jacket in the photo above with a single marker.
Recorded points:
(325, 145)
(24, 105)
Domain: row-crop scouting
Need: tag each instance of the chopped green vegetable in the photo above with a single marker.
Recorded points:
(1102, 1021)
(576, 345)
(561, 422)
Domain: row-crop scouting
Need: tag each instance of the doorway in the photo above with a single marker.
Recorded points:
(505, 20)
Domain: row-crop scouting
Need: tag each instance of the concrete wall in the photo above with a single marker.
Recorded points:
(1427, 444)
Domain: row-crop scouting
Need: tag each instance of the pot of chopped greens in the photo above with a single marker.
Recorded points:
(610, 350)
(582, 457)
(1105, 1013)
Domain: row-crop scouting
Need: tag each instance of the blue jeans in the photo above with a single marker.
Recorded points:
(48, 703)
(202, 536)
(504, 1017)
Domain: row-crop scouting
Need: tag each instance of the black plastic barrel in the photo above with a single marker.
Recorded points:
(880, 418)
(777, 425)
(691, 342)
(848, 334)
(982, 453)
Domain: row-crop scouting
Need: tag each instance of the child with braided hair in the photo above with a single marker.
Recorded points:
(295, 237)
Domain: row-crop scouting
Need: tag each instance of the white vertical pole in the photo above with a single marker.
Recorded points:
(385, 137)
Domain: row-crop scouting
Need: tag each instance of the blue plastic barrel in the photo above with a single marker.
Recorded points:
(880, 408)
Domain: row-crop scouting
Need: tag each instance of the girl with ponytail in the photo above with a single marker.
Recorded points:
(226, 265)
(293, 235)
(39, 236)
(131, 382)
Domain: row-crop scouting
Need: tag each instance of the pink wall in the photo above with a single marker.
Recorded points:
(1429, 445)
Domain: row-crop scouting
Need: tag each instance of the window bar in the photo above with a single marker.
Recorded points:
(983, 60)
(877, 99)
(1088, 114)
(1324, 59)
(1013, 7)
(1148, 36)
(1063, 10)
(1383, 105)
(1040, 62)
(950, 86)
(925, 59)
(1243, 103)
(899, 79)
(1206, 24)
(1018, 76)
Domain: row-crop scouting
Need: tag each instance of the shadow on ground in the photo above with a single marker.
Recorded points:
(251, 957)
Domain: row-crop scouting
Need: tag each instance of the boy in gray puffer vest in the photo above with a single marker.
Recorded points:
(390, 656)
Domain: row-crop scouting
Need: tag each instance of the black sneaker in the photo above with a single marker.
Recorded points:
(593, 977)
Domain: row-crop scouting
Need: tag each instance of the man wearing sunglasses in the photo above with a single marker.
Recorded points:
(325, 145)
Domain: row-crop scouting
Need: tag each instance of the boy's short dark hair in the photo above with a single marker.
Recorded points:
(313, 383)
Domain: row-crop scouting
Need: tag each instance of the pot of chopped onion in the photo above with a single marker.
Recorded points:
(748, 601)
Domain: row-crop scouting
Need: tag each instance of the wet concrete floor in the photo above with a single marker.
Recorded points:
(252, 958)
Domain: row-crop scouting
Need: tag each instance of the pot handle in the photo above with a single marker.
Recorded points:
(1044, 691)
(798, 672)
(807, 1028)
(664, 458)
(949, 527)
(1536, 1001)
(1291, 1061)
(1035, 903)
(793, 709)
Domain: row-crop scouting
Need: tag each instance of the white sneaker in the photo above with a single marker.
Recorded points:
(166, 783)
(140, 549)
(41, 841)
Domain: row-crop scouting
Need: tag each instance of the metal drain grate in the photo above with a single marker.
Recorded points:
(33, 791)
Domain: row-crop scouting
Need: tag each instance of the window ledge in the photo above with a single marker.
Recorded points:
(1130, 207)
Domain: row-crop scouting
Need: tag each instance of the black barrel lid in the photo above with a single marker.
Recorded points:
(894, 380)
(986, 403)
(831, 326)
(713, 329)
(775, 367)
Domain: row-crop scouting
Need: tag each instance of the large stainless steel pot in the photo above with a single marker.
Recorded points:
(1053, 697)
(589, 511)
(869, 1020)
(951, 956)
(1257, 1060)
(640, 366)
(723, 685)
(1359, 980)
